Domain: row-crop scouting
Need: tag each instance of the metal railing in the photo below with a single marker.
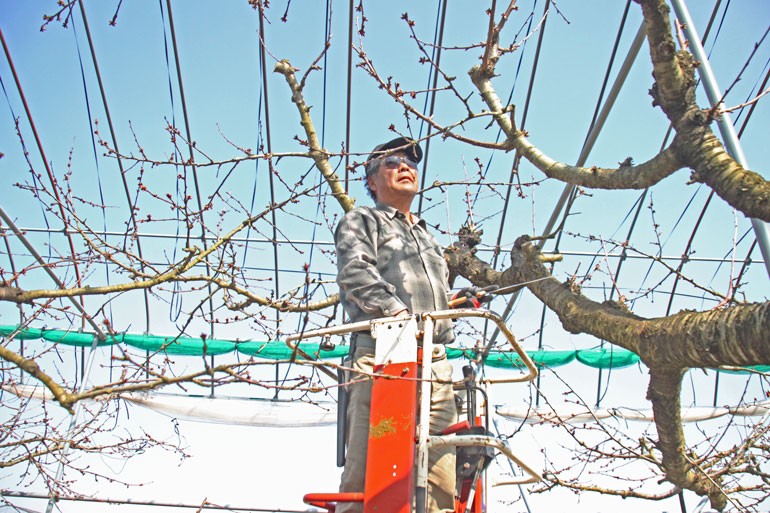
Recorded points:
(424, 440)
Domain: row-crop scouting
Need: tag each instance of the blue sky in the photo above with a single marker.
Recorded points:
(220, 65)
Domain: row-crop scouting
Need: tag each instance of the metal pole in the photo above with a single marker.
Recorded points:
(633, 51)
(15, 229)
(726, 128)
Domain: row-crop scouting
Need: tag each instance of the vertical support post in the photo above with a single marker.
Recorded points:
(424, 426)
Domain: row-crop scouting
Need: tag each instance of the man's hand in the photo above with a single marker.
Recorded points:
(471, 297)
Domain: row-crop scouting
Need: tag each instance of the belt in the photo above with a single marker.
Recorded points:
(361, 339)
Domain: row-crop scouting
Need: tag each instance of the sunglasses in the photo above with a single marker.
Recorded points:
(394, 162)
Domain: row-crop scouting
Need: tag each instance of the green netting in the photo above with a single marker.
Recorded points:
(77, 338)
(454, 353)
(756, 368)
(544, 358)
(511, 360)
(278, 350)
(612, 358)
(25, 334)
(181, 345)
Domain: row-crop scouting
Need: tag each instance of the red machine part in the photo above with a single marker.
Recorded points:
(328, 501)
(390, 460)
(389, 484)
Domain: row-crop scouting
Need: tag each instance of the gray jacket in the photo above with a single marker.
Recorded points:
(385, 265)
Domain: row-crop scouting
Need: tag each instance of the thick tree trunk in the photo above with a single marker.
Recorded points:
(664, 392)
(726, 336)
(737, 336)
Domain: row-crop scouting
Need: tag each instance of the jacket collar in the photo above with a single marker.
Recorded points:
(392, 213)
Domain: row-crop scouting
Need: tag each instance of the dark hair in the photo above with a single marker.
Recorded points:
(371, 169)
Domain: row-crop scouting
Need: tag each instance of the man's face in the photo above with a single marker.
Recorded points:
(395, 181)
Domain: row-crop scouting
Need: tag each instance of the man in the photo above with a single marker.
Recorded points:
(388, 265)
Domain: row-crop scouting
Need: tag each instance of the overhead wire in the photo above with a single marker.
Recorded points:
(438, 41)
(108, 115)
(268, 142)
(55, 192)
(349, 89)
(209, 300)
(102, 202)
(519, 66)
(327, 37)
(710, 23)
(248, 240)
(754, 91)
(306, 292)
(594, 118)
(3, 233)
(627, 256)
(193, 166)
(154, 503)
(33, 176)
(522, 124)
(89, 117)
(175, 297)
(44, 158)
(300, 242)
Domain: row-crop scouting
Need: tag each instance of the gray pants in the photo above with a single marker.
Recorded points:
(443, 411)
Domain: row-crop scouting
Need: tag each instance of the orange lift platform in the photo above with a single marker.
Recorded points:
(399, 438)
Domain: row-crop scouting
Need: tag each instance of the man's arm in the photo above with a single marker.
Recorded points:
(355, 240)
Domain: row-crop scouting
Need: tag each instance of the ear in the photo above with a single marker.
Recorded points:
(370, 182)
